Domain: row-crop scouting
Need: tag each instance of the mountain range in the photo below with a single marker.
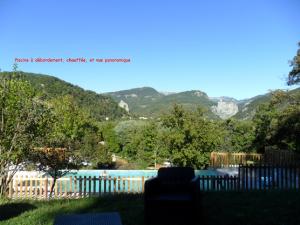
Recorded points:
(148, 102)
(145, 102)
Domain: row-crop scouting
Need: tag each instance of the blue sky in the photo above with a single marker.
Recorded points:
(237, 48)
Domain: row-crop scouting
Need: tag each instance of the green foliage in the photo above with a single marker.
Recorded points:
(109, 136)
(70, 122)
(238, 135)
(263, 119)
(277, 123)
(127, 132)
(287, 134)
(98, 106)
(149, 144)
(294, 75)
(103, 158)
(190, 138)
(20, 122)
(140, 142)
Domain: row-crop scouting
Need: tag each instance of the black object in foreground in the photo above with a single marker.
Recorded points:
(112, 218)
(173, 197)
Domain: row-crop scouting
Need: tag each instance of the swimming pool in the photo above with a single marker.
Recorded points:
(132, 173)
(102, 181)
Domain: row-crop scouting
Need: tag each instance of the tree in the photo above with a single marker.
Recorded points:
(56, 162)
(109, 135)
(276, 122)
(147, 144)
(238, 135)
(65, 128)
(287, 133)
(294, 75)
(127, 135)
(190, 137)
(21, 116)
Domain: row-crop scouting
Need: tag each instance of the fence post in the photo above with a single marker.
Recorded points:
(143, 184)
(203, 185)
(71, 187)
(285, 178)
(119, 184)
(10, 188)
(80, 186)
(213, 182)
(25, 189)
(94, 185)
(104, 179)
(84, 186)
(124, 184)
(30, 188)
(114, 184)
(99, 186)
(259, 177)
(109, 184)
(61, 189)
(90, 185)
(295, 176)
(46, 188)
(21, 187)
(128, 185)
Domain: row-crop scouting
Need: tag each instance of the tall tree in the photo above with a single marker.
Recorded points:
(66, 127)
(294, 75)
(21, 117)
(191, 137)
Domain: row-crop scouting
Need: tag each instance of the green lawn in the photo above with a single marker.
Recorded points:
(268, 208)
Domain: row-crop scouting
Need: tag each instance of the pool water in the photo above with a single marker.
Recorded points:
(132, 173)
(132, 179)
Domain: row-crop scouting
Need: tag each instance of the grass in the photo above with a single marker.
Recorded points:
(224, 208)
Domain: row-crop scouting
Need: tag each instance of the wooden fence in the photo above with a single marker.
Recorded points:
(74, 187)
(280, 157)
(265, 177)
(250, 177)
(271, 156)
(227, 159)
(255, 177)
(80, 187)
(219, 183)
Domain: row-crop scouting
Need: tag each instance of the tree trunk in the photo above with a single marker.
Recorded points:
(52, 186)
(3, 186)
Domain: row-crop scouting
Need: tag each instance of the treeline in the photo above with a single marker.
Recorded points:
(186, 138)
(180, 136)
(99, 106)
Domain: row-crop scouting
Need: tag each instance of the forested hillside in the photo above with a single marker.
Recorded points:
(99, 106)
(147, 101)
(248, 107)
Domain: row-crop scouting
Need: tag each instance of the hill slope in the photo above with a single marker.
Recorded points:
(100, 106)
(247, 107)
(148, 102)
